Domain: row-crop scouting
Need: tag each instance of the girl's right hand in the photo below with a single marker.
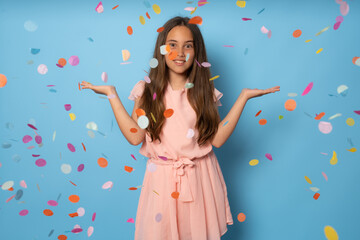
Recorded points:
(102, 89)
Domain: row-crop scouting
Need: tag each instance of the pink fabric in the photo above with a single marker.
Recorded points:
(202, 210)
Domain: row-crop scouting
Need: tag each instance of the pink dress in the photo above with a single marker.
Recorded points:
(201, 211)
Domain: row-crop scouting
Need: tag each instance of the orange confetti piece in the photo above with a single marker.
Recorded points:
(62, 61)
(74, 198)
(167, 48)
(160, 29)
(173, 55)
(139, 112)
(62, 237)
(175, 195)
(115, 7)
(316, 196)
(241, 217)
(297, 33)
(79, 87)
(11, 189)
(195, 20)
(48, 212)
(319, 116)
(129, 30)
(73, 183)
(133, 188)
(258, 113)
(102, 162)
(147, 14)
(168, 112)
(262, 121)
(84, 147)
(133, 130)
(290, 104)
(7, 200)
(75, 214)
(128, 169)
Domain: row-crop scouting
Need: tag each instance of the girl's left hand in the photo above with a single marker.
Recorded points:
(251, 93)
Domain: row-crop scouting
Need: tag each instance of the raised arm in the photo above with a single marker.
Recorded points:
(234, 114)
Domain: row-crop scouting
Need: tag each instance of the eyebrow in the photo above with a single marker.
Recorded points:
(171, 40)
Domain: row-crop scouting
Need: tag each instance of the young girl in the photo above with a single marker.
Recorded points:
(184, 196)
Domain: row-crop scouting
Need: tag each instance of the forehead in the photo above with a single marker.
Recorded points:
(180, 34)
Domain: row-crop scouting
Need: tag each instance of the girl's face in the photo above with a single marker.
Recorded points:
(180, 39)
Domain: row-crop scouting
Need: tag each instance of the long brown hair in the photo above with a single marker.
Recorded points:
(201, 96)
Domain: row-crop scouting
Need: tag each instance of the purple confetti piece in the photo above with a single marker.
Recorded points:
(163, 158)
(60, 66)
(198, 63)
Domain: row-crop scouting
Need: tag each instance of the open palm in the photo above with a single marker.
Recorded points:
(251, 93)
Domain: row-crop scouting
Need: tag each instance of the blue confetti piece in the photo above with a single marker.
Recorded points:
(90, 39)
(35, 50)
(52, 90)
(226, 123)
(261, 10)
(246, 51)
(147, 4)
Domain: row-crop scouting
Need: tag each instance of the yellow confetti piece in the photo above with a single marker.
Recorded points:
(193, 11)
(330, 233)
(156, 8)
(72, 116)
(38, 187)
(54, 135)
(309, 40)
(214, 77)
(352, 149)
(308, 179)
(155, 192)
(281, 117)
(253, 162)
(152, 115)
(350, 121)
(334, 159)
(318, 51)
(322, 31)
(142, 20)
(241, 3)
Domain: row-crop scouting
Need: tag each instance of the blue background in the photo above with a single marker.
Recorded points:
(274, 195)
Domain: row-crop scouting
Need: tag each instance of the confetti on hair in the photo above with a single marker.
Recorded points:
(193, 11)
(195, 20)
(213, 78)
(160, 29)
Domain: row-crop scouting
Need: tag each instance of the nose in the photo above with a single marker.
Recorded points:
(181, 52)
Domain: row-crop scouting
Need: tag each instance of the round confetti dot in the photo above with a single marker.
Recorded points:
(30, 26)
(102, 162)
(38, 139)
(7, 185)
(175, 195)
(129, 30)
(71, 147)
(290, 104)
(325, 127)
(190, 133)
(48, 212)
(81, 167)
(262, 121)
(23, 184)
(26, 139)
(152, 167)
(125, 54)
(3, 80)
(107, 185)
(153, 63)
(241, 217)
(158, 217)
(92, 126)
(40, 162)
(139, 112)
(253, 162)
(74, 198)
(143, 122)
(24, 212)
(241, 4)
(297, 33)
(350, 121)
(65, 168)
(90, 231)
(62, 62)
(42, 69)
(330, 233)
(172, 55)
(168, 113)
(62, 237)
(74, 60)
(80, 211)
(156, 8)
(52, 203)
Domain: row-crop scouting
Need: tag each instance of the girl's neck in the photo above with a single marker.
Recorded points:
(177, 81)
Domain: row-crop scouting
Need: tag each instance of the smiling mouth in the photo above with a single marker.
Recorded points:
(179, 63)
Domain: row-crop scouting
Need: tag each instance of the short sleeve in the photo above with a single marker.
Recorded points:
(137, 90)
(217, 96)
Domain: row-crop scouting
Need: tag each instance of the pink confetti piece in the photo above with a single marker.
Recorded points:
(268, 156)
(163, 158)
(269, 34)
(125, 62)
(307, 89)
(190, 9)
(344, 8)
(264, 29)
(26, 139)
(339, 19)
(60, 66)
(337, 25)
(99, 8)
(154, 96)
(76, 230)
(36, 155)
(357, 112)
(67, 107)
(74, 60)
(81, 167)
(198, 63)
(32, 126)
(93, 216)
(131, 220)
(23, 184)
(50, 85)
(38, 139)
(90, 231)
(326, 178)
(132, 155)
(71, 147)
(228, 46)
(206, 64)
(246, 19)
(52, 203)
(147, 79)
(23, 212)
(40, 162)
